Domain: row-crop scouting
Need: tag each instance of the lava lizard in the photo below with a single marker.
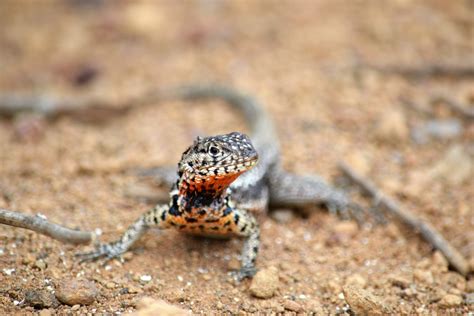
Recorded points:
(219, 183)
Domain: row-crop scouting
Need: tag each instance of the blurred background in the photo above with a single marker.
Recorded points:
(384, 85)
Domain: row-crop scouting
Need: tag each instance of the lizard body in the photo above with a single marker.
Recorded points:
(218, 183)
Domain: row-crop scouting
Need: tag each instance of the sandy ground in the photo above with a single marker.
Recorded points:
(298, 58)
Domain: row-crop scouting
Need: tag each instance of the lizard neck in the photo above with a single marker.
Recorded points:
(202, 194)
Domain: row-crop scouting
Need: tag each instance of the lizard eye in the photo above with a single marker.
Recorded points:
(214, 151)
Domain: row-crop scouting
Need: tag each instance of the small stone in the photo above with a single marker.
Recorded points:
(40, 299)
(282, 216)
(450, 300)
(132, 289)
(75, 307)
(233, 264)
(346, 228)
(76, 291)
(423, 276)
(45, 312)
(454, 280)
(363, 302)
(276, 307)
(391, 127)
(40, 264)
(265, 283)
(206, 277)
(399, 280)
(145, 278)
(357, 280)
(292, 306)
(28, 259)
(148, 306)
(110, 285)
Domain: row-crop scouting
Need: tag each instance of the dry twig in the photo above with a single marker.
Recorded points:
(428, 232)
(428, 71)
(53, 107)
(40, 225)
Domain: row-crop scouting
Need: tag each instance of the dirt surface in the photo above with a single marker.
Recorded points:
(299, 58)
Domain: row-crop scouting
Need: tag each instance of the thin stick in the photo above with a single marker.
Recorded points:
(43, 226)
(53, 107)
(427, 71)
(428, 232)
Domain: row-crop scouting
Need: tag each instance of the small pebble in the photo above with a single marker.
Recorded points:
(292, 306)
(363, 302)
(145, 278)
(40, 299)
(75, 307)
(265, 283)
(40, 264)
(450, 300)
(423, 276)
(72, 292)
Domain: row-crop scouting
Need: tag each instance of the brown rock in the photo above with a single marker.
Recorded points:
(40, 299)
(40, 264)
(292, 306)
(265, 283)
(148, 306)
(399, 280)
(423, 276)
(450, 300)
(363, 302)
(72, 292)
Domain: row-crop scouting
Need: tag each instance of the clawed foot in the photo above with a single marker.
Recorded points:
(106, 251)
(243, 273)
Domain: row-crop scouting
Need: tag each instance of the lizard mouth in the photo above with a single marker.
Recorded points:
(230, 169)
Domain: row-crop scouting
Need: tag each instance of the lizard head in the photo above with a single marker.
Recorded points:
(215, 162)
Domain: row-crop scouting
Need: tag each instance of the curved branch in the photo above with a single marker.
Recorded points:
(40, 225)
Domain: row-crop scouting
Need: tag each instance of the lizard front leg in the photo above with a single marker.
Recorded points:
(246, 225)
(155, 217)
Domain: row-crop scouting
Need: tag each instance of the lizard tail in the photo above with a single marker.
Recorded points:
(261, 126)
